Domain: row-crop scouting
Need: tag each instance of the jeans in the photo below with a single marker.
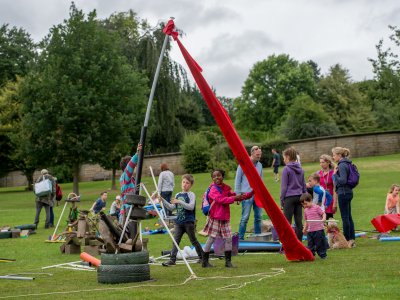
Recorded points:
(246, 208)
(51, 222)
(39, 206)
(167, 196)
(347, 219)
(292, 207)
(180, 229)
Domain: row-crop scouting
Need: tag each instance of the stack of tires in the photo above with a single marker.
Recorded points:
(138, 212)
(123, 268)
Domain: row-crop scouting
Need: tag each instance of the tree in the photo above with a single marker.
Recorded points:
(84, 98)
(307, 119)
(344, 103)
(270, 89)
(384, 97)
(17, 51)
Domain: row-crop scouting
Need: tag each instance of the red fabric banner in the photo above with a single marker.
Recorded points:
(294, 249)
(384, 223)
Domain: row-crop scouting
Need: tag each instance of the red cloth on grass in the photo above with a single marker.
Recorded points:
(294, 249)
(384, 223)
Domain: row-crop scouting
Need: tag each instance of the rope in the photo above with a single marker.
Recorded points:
(274, 272)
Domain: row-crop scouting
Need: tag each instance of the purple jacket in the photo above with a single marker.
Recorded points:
(293, 183)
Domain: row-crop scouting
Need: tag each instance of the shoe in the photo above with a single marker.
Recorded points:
(352, 243)
(169, 263)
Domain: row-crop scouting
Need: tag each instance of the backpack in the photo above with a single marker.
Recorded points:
(353, 177)
(59, 193)
(205, 204)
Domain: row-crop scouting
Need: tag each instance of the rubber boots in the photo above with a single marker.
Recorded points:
(228, 259)
(205, 263)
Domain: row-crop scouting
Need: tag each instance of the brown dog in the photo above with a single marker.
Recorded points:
(336, 239)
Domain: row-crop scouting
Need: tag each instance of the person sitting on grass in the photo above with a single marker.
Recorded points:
(218, 223)
(392, 205)
(314, 226)
(185, 205)
(100, 203)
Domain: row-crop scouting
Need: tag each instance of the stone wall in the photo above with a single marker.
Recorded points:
(360, 145)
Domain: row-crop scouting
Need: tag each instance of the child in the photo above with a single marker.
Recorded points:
(392, 205)
(321, 197)
(218, 224)
(185, 205)
(115, 207)
(292, 186)
(315, 230)
(100, 203)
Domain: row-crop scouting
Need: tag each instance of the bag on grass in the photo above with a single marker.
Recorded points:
(43, 188)
(206, 205)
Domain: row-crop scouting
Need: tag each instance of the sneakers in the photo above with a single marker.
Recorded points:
(169, 263)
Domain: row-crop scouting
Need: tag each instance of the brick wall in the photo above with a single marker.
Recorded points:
(360, 145)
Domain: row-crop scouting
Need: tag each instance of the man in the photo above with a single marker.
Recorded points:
(276, 162)
(45, 201)
(242, 186)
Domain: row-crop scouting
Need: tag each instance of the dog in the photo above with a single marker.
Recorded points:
(336, 239)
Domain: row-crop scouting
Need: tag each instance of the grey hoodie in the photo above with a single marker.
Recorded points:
(293, 183)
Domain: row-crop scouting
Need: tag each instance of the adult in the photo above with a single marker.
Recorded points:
(45, 201)
(326, 181)
(276, 162)
(166, 184)
(242, 186)
(344, 191)
(292, 187)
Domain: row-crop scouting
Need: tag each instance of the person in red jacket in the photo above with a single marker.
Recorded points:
(218, 223)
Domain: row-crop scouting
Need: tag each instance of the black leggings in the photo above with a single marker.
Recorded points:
(292, 207)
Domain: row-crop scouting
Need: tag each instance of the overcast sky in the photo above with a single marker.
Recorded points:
(227, 37)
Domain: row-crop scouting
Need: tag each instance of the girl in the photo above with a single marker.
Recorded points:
(218, 224)
(344, 191)
(292, 187)
(392, 205)
(326, 181)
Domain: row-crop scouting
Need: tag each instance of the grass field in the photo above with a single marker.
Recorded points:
(369, 271)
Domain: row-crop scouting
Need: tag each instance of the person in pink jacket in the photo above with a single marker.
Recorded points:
(218, 223)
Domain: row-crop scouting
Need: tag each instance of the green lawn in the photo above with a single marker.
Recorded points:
(369, 271)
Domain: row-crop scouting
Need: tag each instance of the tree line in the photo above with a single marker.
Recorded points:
(79, 96)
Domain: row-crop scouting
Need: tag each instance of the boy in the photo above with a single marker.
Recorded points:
(320, 197)
(185, 204)
(100, 203)
(314, 226)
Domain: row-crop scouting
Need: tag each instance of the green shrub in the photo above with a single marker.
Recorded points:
(196, 153)
(63, 173)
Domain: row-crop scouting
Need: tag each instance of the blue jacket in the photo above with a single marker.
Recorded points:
(340, 178)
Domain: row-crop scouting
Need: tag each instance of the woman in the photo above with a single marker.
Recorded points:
(344, 191)
(292, 186)
(326, 181)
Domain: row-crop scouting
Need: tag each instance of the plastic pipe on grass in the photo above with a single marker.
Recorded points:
(90, 259)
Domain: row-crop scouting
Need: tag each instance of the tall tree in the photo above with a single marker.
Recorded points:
(307, 119)
(344, 103)
(84, 98)
(17, 51)
(385, 96)
(270, 89)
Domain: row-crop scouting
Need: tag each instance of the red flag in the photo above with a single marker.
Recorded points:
(294, 249)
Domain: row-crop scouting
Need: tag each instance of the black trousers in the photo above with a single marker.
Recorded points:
(316, 242)
(292, 207)
(180, 229)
